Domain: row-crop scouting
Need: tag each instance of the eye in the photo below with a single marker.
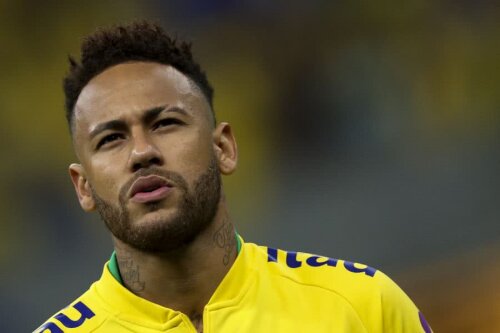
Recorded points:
(108, 139)
(166, 122)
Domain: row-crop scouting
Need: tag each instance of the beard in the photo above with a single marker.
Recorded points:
(196, 210)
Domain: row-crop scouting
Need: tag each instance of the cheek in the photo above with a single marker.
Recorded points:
(190, 156)
(104, 180)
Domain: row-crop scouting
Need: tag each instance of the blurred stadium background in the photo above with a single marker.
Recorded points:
(368, 131)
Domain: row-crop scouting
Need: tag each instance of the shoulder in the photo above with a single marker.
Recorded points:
(324, 272)
(375, 297)
(85, 314)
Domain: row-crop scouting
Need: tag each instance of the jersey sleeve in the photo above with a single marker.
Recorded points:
(80, 316)
(399, 313)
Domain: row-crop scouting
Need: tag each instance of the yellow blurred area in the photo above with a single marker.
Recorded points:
(247, 93)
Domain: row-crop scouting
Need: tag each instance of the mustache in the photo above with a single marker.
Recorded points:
(171, 176)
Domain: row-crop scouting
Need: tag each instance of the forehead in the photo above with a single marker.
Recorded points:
(125, 89)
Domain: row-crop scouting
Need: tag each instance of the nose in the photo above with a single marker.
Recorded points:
(144, 153)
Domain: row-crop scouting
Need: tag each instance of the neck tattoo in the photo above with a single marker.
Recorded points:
(129, 272)
(225, 238)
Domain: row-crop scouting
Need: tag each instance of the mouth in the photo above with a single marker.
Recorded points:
(150, 189)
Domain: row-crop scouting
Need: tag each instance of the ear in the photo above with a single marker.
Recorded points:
(82, 187)
(226, 149)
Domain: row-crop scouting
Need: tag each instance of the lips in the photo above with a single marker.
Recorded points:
(149, 189)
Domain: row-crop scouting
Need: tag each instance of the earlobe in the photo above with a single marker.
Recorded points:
(82, 187)
(226, 149)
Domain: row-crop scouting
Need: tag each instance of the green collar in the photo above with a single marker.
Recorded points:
(238, 243)
(115, 271)
(113, 268)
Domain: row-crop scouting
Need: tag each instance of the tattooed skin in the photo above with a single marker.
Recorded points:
(130, 274)
(225, 238)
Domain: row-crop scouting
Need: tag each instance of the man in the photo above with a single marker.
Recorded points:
(151, 153)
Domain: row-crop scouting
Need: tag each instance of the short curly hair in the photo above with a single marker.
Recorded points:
(137, 41)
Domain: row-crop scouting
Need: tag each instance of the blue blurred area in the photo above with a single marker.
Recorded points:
(367, 131)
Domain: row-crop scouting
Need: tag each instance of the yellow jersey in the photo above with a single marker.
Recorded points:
(266, 290)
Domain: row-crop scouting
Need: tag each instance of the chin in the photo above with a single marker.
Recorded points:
(162, 230)
(157, 217)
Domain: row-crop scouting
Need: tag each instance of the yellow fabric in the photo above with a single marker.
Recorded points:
(266, 290)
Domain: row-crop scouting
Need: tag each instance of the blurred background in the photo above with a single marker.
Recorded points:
(368, 131)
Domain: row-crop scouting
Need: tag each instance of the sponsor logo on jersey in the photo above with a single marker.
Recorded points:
(317, 261)
(85, 313)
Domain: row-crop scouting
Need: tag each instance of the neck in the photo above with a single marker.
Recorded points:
(184, 279)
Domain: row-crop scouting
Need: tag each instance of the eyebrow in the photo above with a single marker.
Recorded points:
(148, 116)
(151, 114)
(109, 125)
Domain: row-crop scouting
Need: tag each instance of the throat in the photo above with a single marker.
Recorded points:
(183, 280)
(197, 321)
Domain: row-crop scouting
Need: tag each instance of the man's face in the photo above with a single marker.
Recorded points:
(144, 135)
